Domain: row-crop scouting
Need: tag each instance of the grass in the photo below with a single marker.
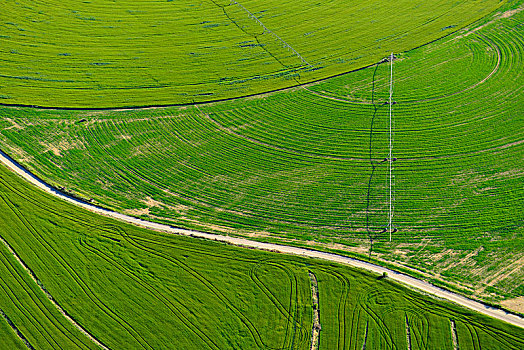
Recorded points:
(27, 311)
(264, 167)
(133, 288)
(96, 54)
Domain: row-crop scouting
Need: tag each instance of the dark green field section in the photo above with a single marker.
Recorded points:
(9, 338)
(136, 289)
(28, 319)
(139, 53)
(308, 164)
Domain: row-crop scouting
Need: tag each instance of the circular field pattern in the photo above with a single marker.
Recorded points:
(308, 164)
(140, 53)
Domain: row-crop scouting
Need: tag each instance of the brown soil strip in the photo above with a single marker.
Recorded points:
(510, 13)
(50, 297)
(315, 332)
(454, 335)
(504, 273)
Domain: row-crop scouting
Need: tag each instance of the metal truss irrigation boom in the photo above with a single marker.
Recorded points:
(390, 221)
(266, 30)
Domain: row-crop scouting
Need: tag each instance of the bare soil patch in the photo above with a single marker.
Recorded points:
(516, 304)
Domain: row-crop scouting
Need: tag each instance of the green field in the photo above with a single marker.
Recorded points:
(304, 166)
(267, 120)
(134, 53)
(131, 288)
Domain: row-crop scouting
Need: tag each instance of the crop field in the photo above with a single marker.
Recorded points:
(305, 166)
(135, 53)
(124, 284)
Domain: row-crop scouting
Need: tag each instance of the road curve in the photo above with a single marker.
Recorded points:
(242, 242)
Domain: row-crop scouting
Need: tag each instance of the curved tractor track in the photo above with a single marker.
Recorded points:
(242, 242)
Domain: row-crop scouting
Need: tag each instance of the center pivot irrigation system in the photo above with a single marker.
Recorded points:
(390, 157)
(389, 227)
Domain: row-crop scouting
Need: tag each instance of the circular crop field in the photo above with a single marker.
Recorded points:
(103, 54)
(307, 164)
(304, 165)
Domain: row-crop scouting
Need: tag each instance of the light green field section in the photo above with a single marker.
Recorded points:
(134, 53)
(136, 289)
(307, 164)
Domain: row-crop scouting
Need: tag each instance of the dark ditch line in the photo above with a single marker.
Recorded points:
(186, 104)
(16, 330)
(365, 336)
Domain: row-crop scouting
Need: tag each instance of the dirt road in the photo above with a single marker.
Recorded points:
(242, 242)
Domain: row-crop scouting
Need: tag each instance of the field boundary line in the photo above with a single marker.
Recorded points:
(404, 279)
(475, 23)
(189, 103)
(50, 297)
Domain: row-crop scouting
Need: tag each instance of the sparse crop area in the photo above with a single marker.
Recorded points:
(123, 284)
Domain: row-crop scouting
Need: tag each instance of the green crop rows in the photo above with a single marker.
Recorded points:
(135, 53)
(307, 164)
(132, 288)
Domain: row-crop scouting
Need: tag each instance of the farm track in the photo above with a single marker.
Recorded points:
(404, 279)
(55, 304)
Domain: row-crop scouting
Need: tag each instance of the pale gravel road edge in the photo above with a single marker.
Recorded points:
(242, 242)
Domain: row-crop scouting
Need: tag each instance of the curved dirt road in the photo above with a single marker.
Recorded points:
(242, 242)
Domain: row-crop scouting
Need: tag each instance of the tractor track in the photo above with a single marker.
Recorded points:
(243, 242)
